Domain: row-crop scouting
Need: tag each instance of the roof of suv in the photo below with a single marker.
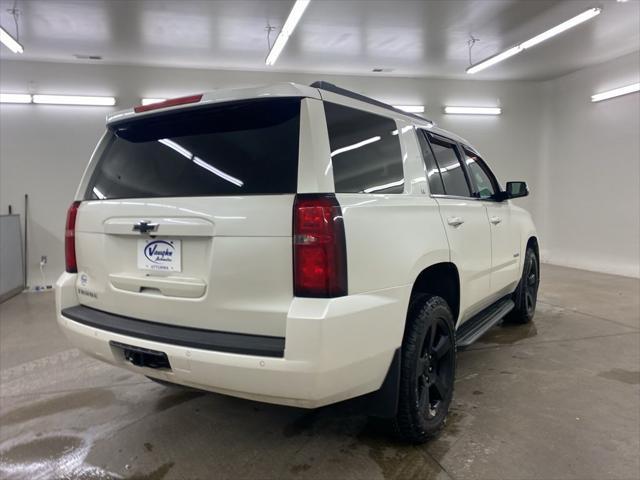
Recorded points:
(287, 89)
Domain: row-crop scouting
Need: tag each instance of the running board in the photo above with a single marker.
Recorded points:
(475, 327)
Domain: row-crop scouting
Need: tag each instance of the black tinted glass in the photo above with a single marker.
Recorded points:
(433, 174)
(453, 177)
(235, 149)
(365, 151)
(478, 171)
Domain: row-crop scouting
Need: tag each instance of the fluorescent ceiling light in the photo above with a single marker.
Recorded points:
(289, 26)
(149, 101)
(410, 108)
(98, 194)
(74, 100)
(473, 110)
(355, 145)
(198, 161)
(10, 42)
(15, 98)
(616, 92)
(225, 176)
(377, 188)
(495, 59)
(552, 32)
(402, 130)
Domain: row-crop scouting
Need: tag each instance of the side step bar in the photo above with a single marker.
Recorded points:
(475, 327)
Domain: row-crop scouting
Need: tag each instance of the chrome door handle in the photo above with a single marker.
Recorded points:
(495, 220)
(455, 221)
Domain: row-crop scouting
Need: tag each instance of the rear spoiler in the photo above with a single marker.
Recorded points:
(217, 96)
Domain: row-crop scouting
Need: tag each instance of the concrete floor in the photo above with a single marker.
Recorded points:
(556, 399)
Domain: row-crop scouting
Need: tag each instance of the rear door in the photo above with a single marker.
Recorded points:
(465, 221)
(187, 217)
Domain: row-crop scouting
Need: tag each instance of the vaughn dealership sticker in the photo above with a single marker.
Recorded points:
(160, 255)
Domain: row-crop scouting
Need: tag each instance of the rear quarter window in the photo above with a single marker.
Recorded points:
(365, 151)
(246, 148)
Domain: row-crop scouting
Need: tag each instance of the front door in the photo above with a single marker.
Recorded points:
(504, 243)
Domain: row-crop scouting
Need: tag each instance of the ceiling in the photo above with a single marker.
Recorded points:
(416, 38)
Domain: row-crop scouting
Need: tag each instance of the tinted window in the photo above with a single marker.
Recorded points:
(235, 149)
(453, 176)
(480, 175)
(365, 151)
(433, 174)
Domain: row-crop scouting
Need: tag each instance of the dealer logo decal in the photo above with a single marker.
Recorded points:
(159, 251)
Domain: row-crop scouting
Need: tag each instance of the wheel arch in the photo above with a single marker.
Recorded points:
(440, 279)
(532, 242)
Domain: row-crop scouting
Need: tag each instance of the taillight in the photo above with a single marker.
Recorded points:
(70, 239)
(172, 102)
(319, 248)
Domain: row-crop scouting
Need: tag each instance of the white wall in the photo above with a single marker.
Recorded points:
(44, 149)
(590, 215)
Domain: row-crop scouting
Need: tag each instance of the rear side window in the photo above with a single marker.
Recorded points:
(246, 148)
(433, 173)
(365, 151)
(453, 176)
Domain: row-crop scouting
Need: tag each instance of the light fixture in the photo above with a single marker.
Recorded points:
(410, 108)
(74, 100)
(355, 145)
(402, 130)
(15, 98)
(198, 161)
(552, 32)
(473, 110)
(149, 101)
(377, 188)
(616, 92)
(10, 42)
(289, 26)
(495, 59)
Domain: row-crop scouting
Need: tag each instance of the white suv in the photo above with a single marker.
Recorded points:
(294, 245)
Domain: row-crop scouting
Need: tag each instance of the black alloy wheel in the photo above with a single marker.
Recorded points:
(435, 369)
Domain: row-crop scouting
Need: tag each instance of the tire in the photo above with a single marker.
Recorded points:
(526, 295)
(427, 370)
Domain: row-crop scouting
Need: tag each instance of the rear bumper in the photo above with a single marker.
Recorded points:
(334, 349)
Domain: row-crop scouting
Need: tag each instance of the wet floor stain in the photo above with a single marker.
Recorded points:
(297, 469)
(41, 449)
(177, 398)
(455, 424)
(157, 474)
(398, 460)
(632, 377)
(94, 399)
(302, 425)
(55, 456)
(508, 334)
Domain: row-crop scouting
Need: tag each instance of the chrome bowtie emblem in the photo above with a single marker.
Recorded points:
(145, 226)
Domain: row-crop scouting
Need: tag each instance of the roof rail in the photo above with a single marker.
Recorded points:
(330, 87)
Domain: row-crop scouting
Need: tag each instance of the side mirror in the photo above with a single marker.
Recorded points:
(517, 189)
(513, 190)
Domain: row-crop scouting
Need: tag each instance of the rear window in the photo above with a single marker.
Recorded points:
(247, 148)
(365, 151)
